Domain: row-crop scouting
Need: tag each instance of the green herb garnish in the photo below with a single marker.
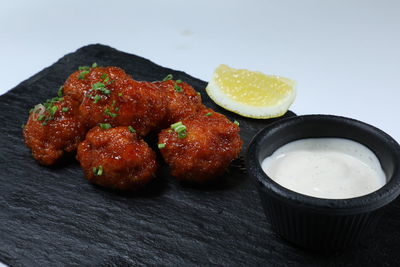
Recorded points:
(101, 87)
(105, 78)
(176, 124)
(82, 74)
(179, 128)
(96, 98)
(236, 122)
(168, 77)
(109, 113)
(209, 114)
(131, 129)
(105, 126)
(161, 146)
(84, 68)
(98, 86)
(60, 91)
(64, 109)
(97, 171)
(178, 88)
(49, 107)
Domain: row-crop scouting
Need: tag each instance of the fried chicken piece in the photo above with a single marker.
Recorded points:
(201, 146)
(80, 82)
(141, 105)
(116, 158)
(53, 128)
(182, 100)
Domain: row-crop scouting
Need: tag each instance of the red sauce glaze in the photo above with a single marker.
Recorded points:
(77, 88)
(180, 104)
(62, 133)
(141, 105)
(127, 161)
(212, 142)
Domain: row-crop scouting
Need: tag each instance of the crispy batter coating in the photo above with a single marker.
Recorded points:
(182, 100)
(141, 105)
(52, 128)
(116, 158)
(211, 143)
(80, 82)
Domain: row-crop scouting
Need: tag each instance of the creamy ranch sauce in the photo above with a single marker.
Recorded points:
(334, 168)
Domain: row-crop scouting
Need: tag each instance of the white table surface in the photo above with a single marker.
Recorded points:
(344, 55)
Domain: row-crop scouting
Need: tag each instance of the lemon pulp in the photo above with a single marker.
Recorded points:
(250, 93)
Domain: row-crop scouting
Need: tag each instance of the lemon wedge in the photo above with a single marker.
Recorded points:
(250, 93)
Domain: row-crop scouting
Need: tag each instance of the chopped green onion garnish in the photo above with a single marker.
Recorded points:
(168, 77)
(176, 124)
(53, 110)
(131, 129)
(105, 126)
(113, 103)
(101, 87)
(178, 88)
(109, 113)
(64, 109)
(178, 81)
(209, 114)
(182, 134)
(60, 91)
(83, 74)
(162, 145)
(105, 78)
(96, 98)
(49, 107)
(98, 171)
(180, 128)
(236, 122)
(84, 68)
(117, 109)
(94, 65)
(119, 94)
(98, 85)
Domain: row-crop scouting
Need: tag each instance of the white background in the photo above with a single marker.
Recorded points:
(344, 55)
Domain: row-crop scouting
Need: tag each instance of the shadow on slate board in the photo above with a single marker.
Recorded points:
(53, 216)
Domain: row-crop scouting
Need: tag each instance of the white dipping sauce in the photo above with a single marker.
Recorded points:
(334, 168)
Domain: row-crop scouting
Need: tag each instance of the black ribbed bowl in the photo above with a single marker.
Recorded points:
(317, 223)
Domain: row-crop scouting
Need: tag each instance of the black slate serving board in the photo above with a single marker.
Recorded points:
(53, 216)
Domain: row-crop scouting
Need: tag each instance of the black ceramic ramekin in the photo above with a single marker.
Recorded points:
(317, 223)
